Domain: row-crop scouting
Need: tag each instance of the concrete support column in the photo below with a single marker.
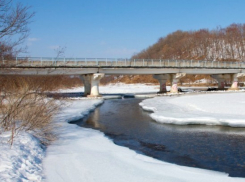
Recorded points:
(87, 83)
(175, 79)
(174, 87)
(234, 78)
(162, 80)
(234, 85)
(95, 80)
(221, 78)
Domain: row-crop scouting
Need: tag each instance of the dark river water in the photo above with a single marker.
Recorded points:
(217, 148)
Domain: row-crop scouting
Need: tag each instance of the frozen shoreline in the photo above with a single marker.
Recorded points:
(82, 154)
(209, 109)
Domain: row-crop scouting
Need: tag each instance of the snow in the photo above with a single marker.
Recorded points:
(118, 88)
(201, 81)
(22, 161)
(81, 154)
(210, 109)
(129, 88)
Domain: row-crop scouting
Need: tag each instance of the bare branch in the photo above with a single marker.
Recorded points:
(60, 52)
(14, 21)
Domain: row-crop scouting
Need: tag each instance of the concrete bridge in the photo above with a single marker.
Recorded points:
(91, 70)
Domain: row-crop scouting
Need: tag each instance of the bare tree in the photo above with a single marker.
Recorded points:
(60, 52)
(14, 21)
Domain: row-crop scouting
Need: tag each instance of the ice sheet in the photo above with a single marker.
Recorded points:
(210, 109)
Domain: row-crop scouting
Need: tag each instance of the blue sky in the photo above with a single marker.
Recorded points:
(120, 28)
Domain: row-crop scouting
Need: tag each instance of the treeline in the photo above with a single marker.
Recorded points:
(226, 44)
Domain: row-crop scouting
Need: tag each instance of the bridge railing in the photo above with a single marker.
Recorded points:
(111, 62)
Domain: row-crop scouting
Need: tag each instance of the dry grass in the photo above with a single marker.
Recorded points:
(43, 83)
(25, 108)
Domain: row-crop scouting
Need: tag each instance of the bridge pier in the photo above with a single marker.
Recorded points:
(87, 83)
(162, 80)
(234, 78)
(95, 80)
(174, 80)
(221, 78)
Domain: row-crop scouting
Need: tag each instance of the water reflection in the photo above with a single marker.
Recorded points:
(95, 120)
(218, 148)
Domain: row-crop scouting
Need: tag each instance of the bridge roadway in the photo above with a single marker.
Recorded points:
(92, 70)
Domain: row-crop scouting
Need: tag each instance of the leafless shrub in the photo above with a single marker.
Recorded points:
(27, 109)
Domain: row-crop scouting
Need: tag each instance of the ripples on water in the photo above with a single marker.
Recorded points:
(217, 148)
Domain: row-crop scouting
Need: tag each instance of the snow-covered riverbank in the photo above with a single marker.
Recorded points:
(209, 109)
(24, 160)
(82, 154)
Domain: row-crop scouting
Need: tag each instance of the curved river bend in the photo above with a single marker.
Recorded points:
(216, 148)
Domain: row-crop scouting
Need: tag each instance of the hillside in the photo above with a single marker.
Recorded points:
(226, 44)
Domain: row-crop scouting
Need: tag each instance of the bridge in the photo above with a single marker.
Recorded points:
(91, 70)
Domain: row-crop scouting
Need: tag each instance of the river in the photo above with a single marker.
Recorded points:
(216, 148)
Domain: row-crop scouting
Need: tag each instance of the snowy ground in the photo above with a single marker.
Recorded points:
(22, 161)
(87, 155)
(210, 109)
(120, 88)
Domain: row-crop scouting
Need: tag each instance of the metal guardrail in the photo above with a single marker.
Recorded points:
(110, 62)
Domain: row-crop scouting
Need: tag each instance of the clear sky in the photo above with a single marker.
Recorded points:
(120, 28)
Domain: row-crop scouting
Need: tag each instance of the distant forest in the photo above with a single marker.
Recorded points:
(224, 44)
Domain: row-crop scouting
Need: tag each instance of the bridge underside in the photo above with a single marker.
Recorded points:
(114, 71)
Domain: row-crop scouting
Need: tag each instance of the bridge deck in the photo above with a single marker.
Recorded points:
(68, 66)
(117, 63)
